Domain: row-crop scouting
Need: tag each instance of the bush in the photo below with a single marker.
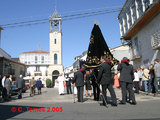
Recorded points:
(48, 83)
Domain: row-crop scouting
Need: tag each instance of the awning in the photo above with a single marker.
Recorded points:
(37, 72)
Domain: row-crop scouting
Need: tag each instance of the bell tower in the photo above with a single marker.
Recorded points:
(55, 36)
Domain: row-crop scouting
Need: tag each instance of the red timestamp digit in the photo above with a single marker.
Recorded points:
(57, 109)
(60, 109)
(48, 109)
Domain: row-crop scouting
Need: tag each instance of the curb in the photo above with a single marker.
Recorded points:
(149, 94)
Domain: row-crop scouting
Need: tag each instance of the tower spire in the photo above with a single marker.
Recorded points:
(55, 20)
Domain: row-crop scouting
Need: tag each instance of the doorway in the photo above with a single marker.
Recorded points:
(55, 75)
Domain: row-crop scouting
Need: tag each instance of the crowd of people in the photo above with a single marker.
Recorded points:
(147, 79)
(128, 79)
(6, 85)
(98, 80)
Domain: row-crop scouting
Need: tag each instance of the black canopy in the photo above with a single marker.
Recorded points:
(97, 48)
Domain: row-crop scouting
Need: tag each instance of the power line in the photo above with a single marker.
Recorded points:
(67, 17)
(95, 14)
(90, 9)
(90, 12)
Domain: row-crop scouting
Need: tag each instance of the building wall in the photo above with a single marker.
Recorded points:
(120, 52)
(4, 54)
(55, 48)
(148, 54)
(29, 60)
(69, 71)
(131, 12)
(11, 67)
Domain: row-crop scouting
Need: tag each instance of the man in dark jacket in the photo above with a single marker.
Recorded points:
(126, 80)
(106, 80)
(96, 91)
(79, 82)
(20, 84)
(68, 85)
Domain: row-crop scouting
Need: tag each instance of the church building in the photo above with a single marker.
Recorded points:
(47, 64)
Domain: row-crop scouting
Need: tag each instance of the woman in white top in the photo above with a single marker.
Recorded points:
(136, 81)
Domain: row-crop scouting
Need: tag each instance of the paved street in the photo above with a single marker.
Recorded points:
(147, 108)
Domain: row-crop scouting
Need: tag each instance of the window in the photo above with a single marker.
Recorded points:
(155, 40)
(146, 3)
(134, 15)
(140, 8)
(125, 24)
(129, 18)
(42, 59)
(136, 45)
(121, 26)
(55, 58)
(36, 59)
(135, 48)
(37, 68)
(55, 41)
(122, 30)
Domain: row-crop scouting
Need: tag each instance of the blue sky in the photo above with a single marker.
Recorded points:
(76, 32)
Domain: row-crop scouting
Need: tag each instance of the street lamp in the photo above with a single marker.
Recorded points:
(122, 40)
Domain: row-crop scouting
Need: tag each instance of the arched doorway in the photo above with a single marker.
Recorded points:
(55, 75)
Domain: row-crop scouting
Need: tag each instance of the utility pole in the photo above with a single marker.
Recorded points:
(0, 35)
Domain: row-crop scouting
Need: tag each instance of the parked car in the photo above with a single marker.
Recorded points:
(14, 90)
(27, 86)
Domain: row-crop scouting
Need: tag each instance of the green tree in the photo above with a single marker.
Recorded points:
(48, 83)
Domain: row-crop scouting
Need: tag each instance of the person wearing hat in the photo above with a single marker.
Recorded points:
(79, 82)
(126, 80)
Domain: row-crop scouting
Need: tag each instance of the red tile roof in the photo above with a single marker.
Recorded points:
(37, 51)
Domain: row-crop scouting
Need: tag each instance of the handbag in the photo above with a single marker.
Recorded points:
(64, 83)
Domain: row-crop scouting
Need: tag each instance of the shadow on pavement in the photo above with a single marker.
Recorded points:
(9, 111)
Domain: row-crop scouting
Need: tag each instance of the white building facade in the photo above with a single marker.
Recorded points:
(37, 63)
(77, 63)
(69, 71)
(120, 52)
(140, 27)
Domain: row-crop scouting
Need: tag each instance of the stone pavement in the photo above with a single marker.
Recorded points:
(50, 95)
(147, 108)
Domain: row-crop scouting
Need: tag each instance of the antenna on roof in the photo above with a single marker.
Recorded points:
(55, 5)
(39, 46)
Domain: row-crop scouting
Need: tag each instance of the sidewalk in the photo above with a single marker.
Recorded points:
(149, 94)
